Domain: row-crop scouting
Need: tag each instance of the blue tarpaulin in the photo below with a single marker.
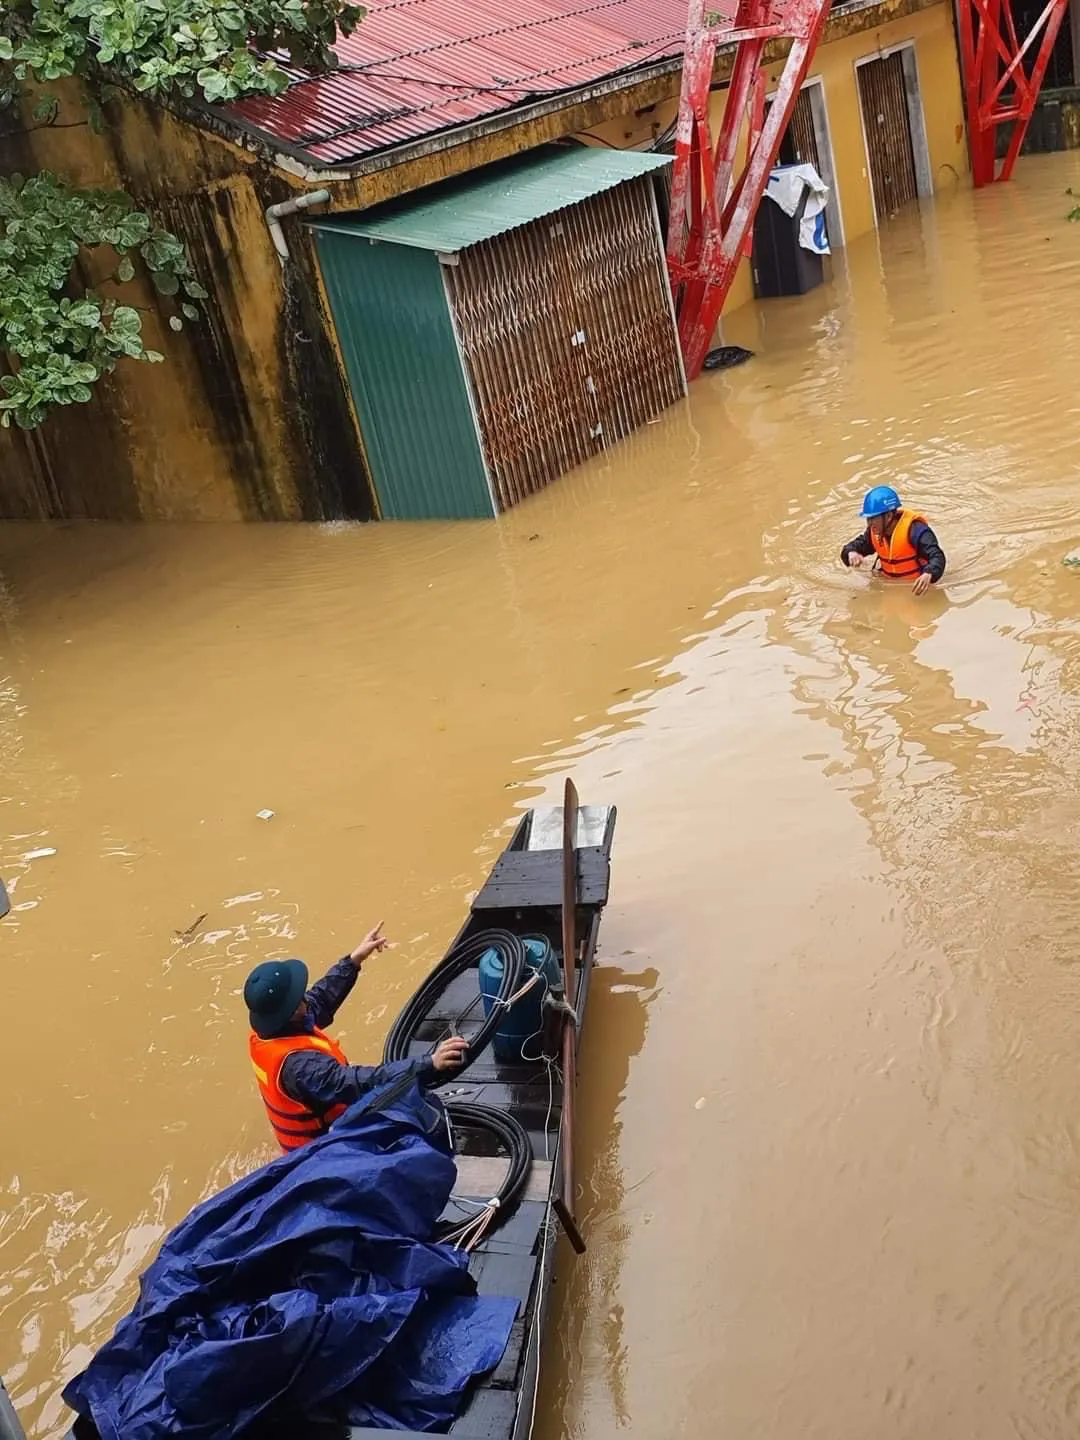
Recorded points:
(308, 1286)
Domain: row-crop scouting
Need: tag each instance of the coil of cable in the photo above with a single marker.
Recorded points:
(513, 1138)
(465, 956)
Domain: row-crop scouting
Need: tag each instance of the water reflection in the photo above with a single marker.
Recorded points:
(589, 1291)
(832, 1189)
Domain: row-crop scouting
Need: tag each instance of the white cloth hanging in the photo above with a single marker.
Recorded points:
(786, 186)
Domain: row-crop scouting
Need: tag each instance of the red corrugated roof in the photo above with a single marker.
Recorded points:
(415, 67)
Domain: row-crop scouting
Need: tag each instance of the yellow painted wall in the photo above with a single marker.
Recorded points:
(249, 417)
(931, 31)
(232, 424)
(942, 103)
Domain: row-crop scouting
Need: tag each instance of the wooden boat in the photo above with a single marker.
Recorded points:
(526, 894)
(552, 880)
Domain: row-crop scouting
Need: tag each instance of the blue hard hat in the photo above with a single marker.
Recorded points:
(880, 501)
(272, 992)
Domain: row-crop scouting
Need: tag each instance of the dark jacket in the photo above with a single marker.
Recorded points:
(922, 537)
(315, 1079)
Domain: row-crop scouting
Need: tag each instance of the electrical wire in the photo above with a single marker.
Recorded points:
(466, 956)
(516, 981)
(514, 1139)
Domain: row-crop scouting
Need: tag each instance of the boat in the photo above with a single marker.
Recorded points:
(543, 899)
(553, 879)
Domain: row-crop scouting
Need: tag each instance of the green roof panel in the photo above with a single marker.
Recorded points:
(458, 213)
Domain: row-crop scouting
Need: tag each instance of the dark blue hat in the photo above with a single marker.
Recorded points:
(272, 992)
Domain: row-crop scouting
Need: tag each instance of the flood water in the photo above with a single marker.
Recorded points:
(830, 1078)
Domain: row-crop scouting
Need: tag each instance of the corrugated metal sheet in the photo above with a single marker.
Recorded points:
(568, 336)
(415, 67)
(883, 97)
(459, 213)
(401, 354)
(548, 338)
(802, 132)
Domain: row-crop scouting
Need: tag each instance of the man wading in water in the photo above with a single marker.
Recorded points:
(303, 1076)
(902, 542)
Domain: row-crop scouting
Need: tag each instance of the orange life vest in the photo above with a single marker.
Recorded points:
(897, 555)
(294, 1124)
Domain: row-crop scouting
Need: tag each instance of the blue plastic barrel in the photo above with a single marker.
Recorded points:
(525, 1018)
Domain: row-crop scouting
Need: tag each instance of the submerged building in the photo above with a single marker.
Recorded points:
(436, 275)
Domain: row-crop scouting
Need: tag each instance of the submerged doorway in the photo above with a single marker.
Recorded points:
(894, 131)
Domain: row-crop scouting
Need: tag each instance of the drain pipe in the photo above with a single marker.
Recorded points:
(275, 213)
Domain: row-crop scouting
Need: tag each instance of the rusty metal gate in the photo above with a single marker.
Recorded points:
(798, 145)
(887, 125)
(802, 132)
(568, 337)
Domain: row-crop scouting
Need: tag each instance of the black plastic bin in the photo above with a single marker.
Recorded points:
(780, 264)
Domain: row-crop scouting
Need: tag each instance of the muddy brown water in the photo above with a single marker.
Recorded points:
(830, 1083)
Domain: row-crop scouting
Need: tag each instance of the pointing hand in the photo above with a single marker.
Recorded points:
(372, 943)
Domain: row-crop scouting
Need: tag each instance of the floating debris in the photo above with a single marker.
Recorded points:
(185, 935)
(39, 854)
(264, 814)
(1072, 559)
(725, 356)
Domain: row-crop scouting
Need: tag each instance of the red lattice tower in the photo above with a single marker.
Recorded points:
(713, 200)
(998, 86)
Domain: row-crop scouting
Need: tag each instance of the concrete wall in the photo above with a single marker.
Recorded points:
(250, 416)
(1055, 125)
(931, 31)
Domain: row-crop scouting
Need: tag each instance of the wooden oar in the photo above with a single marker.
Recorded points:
(564, 1203)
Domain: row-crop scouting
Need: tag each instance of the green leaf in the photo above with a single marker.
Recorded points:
(47, 108)
(85, 313)
(125, 321)
(132, 230)
(215, 85)
(58, 338)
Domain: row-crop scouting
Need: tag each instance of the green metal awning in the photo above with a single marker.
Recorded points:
(458, 213)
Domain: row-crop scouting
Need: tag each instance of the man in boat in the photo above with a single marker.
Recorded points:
(303, 1076)
(901, 542)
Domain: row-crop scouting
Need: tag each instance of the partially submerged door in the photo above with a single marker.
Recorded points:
(887, 126)
(799, 145)
(568, 335)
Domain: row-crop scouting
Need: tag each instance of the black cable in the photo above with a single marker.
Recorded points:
(514, 1139)
(463, 957)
